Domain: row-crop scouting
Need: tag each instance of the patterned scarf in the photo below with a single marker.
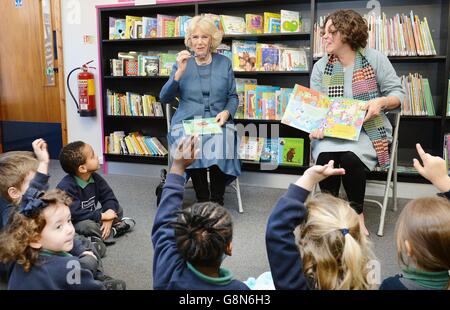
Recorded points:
(365, 88)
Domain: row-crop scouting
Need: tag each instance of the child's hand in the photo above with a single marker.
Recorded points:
(106, 229)
(434, 169)
(317, 173)
(109, 215)
(40, 150)
(316, 134)
(187, 152)
(88, 253)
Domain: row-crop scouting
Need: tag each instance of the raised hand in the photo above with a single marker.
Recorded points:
(434, 169)
(41, 152)
(182, 59)
(317, 173)
(186, 153)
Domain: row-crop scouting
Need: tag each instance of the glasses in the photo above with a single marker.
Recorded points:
(196, 38)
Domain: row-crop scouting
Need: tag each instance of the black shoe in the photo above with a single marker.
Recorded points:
(125, 225)
(114, 284)
(106, 242)
(100, 247)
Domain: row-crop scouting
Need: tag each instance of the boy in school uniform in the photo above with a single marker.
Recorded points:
(87, 189)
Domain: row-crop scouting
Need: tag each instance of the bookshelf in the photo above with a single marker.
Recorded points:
(428, 130)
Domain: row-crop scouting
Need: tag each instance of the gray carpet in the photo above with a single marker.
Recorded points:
(130, 259)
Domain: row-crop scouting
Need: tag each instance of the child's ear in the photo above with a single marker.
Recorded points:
(14, 193)
(36, 244)
(229, 249)
(82, 169)
(408, 248)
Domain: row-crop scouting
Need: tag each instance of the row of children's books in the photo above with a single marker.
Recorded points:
(283, 22)
(132, 104)
(134, 144)
(254, 56)
(143, 64)
(141, 27)
(418, 99)
(273, 151)
(400, 35)
(260, 101)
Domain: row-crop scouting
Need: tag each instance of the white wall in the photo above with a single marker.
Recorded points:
(79, 18)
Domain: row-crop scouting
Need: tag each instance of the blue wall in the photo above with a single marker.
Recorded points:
(18, 136)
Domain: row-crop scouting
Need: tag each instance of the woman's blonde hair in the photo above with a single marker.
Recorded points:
(206, 25)
(425, 223)
(334, 251)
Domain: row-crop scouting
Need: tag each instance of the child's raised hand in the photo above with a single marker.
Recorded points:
(317, 173)
(40, 150)
(186, 153)
(434, 169)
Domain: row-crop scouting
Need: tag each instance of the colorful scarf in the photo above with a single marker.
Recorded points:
(365, 88)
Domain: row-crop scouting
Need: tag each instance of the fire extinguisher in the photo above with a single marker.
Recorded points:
(86, 90)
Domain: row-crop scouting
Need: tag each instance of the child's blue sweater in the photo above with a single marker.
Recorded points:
(284, 257)
(85, 200)
(53, 272)
(170, 271)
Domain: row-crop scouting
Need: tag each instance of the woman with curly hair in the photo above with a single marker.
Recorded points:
(351, 70)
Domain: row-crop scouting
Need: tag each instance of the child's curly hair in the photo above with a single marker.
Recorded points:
(22, 230)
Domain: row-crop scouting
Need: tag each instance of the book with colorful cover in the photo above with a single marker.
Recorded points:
(244, 55)
(293, 59)
(120, 28)
(225, 50)
(130, 22)
(254, 23)
(267, 57)
(250, 148)
(232, 24)
(249, 101)
(150, 27)
(240, 90)
(269, 152)
(201, 126)
(290, 151)
(290, 21)
(308, 110)
(270, 22)
(166, 62)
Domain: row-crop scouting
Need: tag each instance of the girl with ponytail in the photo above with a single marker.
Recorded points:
(190, 244)
(334, 254)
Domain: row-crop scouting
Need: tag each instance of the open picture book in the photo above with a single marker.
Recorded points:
(308, 110)
(201, 126)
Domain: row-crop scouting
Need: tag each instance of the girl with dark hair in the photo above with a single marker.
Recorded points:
(190, 244)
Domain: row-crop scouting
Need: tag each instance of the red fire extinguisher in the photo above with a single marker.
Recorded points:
(86, 90)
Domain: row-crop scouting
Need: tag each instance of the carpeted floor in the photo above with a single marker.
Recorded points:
(130, 259)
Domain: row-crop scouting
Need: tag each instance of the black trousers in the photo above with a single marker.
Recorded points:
(354, 180)
(215, 191)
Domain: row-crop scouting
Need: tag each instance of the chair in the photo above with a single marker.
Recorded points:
(394, 118)
(233, 185)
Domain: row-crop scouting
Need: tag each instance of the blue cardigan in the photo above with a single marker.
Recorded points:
(170, 271)
(284, 257)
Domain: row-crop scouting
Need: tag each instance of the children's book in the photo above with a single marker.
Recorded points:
(251, 148)
(225, 50)
(290, 21)
(244, 55)
(232, 24)
(271, 21)
(293, 59)
(240, 90)
(269, 153)
(254, 23)
(308, 110)
(290, 151)
(150, 27)
(201, 126)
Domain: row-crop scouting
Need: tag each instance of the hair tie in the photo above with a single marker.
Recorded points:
(344, 231)
(31, 203)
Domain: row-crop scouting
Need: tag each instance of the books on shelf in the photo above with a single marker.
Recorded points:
(308, 110)
(290, 21)
(290, 151)
(418, 99)
(149, 27)
(254, 23)
(244, 55)
(400, 35)
(272, 22)
(250, 148)
(134, 144)
(132, 104)
(240, 90)
(225, 49)
(233, 24)
(201, 126)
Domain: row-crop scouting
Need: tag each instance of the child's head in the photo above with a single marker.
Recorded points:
(78, 158)
(17, 169)
(423, 234)
(42, 223)
(203, 234)
(335, 253)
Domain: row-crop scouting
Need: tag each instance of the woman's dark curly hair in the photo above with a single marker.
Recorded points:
(202, 233)
(352, 27)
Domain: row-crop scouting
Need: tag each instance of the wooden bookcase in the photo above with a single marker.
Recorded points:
(428, 131)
